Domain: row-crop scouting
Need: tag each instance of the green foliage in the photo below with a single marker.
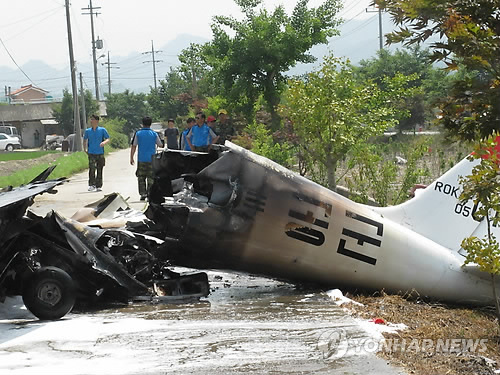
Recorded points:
(67, 164)
(129, 107)
(332, 112)
(482, 187)
(375, 173)
(250, 59)
(214, 104)
(64, 115)
(469, 36)
(171, 99)
(260, 140)
(115, 128)
(195, 71)
(432, 83)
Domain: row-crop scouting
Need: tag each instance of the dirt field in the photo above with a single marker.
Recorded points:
(9, 167)
(433, 322)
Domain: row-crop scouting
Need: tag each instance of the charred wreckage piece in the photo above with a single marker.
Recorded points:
(54, 262)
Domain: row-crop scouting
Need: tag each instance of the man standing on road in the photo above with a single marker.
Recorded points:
(147, 140)
(94, 140)
(171, 135)
(183, 141)
(201, 136)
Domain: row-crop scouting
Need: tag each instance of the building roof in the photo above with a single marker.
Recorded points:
(26, 88)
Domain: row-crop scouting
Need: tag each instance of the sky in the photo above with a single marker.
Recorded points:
(36, 29)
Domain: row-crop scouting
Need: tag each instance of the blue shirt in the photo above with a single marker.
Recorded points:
(146, 139)
(95, 137)
(184, 143)
(201, 135)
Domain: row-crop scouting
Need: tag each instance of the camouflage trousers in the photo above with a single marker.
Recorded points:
(144, 175)
(96, 163)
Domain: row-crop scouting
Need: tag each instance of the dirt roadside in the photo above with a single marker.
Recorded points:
(9, 167)
(427, 346)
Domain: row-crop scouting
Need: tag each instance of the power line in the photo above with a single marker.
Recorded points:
(15, 62)
(8, 25)
(94, 46)
(152, 52)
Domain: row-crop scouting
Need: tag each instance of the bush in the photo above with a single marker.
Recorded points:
(115, 129)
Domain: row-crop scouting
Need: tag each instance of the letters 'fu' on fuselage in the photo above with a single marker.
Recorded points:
(247, 213)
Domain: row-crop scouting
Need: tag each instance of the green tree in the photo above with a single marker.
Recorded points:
(469, 35)
(261, 141)
(64, 115)
(332, 112)
(129, 107)
(171, 98)
(250, 59)
(432, 82)
(193, 69)
(483, 188)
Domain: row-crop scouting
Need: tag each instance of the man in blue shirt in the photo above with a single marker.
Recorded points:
(201, 136)
(94, 140)
(183, 141)
(146, 140)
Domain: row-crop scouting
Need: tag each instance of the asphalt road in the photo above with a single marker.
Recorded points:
(246, 325)
(118, 176)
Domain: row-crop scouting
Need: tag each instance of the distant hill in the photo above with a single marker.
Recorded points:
(358, 40)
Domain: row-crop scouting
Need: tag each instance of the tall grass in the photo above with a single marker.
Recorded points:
(67, 165)
(23, 155)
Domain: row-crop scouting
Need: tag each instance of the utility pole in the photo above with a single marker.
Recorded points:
(109, 72)
(77, 145)
(92, 13)
(380, 35)
(152, 52)
(82, 96)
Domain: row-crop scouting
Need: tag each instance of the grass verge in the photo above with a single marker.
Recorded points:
(67, 165)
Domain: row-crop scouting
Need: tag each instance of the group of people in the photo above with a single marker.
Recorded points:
(200, 133)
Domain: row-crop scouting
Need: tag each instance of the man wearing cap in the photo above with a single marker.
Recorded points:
(225, 129)
(211, 123)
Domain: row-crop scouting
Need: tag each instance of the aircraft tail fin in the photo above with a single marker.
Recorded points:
(436, 212)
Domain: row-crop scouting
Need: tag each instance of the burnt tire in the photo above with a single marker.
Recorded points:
(49, 293)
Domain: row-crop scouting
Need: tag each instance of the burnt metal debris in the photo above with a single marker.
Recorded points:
(55, 263)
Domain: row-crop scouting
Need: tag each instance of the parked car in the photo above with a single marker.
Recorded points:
(9, 143)
(10, 130)
(158, 128)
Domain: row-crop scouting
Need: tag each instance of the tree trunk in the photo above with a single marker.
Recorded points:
(275, 117)
(497, 304)
(272, 97)
(331, 167)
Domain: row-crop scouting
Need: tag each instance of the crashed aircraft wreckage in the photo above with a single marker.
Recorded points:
(231, 209)
(234, 210)
(54, 262)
